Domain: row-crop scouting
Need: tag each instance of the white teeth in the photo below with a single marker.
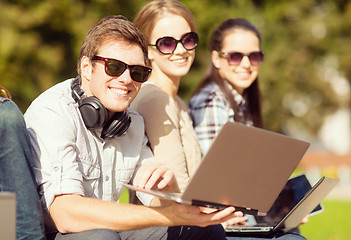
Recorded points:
(179, 60)
(119, 91)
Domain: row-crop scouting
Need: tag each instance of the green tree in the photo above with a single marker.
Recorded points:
(306, 44)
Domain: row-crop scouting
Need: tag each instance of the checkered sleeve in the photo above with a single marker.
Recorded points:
(209, 112)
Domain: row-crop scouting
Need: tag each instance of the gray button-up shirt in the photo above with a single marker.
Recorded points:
(70, 159)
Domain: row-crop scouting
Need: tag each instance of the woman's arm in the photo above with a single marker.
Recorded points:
(162, 128)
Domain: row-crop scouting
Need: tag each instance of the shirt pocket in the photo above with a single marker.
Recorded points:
(91, 173)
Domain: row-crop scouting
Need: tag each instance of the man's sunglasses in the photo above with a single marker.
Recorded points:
(235, 58)
(115, 68)
(167, 45)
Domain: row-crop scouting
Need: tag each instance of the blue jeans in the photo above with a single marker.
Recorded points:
(16, 174)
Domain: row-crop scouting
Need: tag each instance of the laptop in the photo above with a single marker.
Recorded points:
(291, 214)
(8, 215)
(245, 167)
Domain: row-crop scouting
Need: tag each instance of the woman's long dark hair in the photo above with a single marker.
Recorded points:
(252, 93)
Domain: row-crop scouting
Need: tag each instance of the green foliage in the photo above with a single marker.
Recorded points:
(305, 43)
(40, 41)
(124, 197)
(299, 39)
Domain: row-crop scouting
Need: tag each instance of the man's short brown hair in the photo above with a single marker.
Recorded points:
(111, 28)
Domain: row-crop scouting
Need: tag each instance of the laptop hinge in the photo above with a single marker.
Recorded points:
(222, 206)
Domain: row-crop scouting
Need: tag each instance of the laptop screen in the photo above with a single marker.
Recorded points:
(294, 190)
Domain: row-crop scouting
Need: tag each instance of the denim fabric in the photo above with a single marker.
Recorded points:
(16, 174)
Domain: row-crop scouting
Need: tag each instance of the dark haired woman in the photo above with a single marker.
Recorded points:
(229, 90)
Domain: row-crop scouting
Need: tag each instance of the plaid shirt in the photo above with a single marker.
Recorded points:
(210, 110)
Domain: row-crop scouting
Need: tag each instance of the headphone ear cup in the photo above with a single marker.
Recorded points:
(117, 125)
(94, 114)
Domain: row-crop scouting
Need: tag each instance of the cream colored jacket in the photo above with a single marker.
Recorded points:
(170, 131)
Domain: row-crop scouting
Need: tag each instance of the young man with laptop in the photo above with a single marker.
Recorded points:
(87, 143)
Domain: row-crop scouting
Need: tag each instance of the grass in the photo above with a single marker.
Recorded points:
(124, 197)
(332, 224)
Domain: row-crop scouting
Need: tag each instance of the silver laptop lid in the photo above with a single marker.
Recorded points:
(245, 166)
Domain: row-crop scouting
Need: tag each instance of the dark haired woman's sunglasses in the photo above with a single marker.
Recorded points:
(115, 68)
(235, 58)
(167, 45)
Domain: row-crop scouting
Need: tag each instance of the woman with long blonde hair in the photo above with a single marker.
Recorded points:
(169, 27)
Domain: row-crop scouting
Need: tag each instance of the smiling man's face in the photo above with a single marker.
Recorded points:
(115, 93)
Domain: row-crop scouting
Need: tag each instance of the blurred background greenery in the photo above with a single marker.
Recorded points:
(303, 77)
(332, 224)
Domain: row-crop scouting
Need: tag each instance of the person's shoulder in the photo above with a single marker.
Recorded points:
(9, 103)
(54, 107)
(205, 94)
(152, 91)
(56, 96)
(9, 109)
(150, 95)
(181, 103)
(56, 92)
(137, 122)
(134, 115)
(209, 89)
